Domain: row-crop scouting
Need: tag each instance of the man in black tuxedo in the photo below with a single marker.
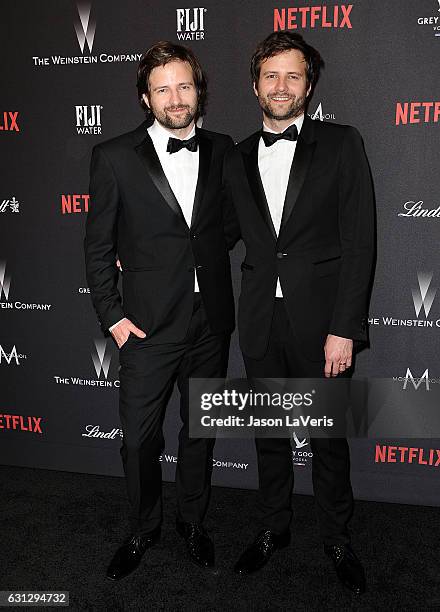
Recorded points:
(303, 195)
(158, 205)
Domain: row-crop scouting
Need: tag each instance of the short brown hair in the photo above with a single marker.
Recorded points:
(161, 54)
(278, 42)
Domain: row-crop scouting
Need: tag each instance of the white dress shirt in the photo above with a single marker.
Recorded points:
(274, 164)
(181, 170)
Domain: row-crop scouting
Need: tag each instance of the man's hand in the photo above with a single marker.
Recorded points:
(123, 329)
(338, 354)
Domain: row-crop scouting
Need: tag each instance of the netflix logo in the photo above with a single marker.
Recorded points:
(75, 203)
(21, 423)
(8, 121)
(417, 112)
(295, 17)
(407, 454)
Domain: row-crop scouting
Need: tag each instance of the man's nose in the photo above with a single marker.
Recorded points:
(175, 98)
(282, 84)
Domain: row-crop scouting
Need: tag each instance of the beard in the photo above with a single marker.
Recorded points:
(175, 123)
(293, 110)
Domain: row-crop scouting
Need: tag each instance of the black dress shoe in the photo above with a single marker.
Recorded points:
(128, 556)
(348, 567)
(260, 551)
(198, 543)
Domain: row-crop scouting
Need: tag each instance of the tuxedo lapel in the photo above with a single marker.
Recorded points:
(250, 160)
(148, 155)
(205, 154)
(305, 148)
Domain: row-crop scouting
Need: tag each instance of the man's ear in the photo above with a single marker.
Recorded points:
(308, 91)
(255, 89)
(146, 100)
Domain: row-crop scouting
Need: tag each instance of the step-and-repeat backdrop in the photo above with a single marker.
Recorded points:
(68, 72)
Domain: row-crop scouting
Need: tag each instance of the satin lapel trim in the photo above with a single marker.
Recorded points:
(147, 153)
(298, 171)
(205, 154)
(256, 184)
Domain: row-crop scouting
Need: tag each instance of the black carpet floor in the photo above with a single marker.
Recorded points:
(59, 530)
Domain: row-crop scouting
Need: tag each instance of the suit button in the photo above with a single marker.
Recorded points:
(281, 255)
(193, 236)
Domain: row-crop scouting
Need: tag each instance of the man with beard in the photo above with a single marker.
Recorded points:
(158, 206)
(303, 194)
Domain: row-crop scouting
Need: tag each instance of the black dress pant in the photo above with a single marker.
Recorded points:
(147, 376)
(331, 458)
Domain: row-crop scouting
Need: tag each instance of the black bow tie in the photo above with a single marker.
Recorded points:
(175, 144)
(270, 138)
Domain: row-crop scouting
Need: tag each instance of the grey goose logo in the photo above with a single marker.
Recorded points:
(85, 26)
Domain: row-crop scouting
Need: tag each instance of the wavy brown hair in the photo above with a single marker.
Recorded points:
(278, 42)
(161, 54)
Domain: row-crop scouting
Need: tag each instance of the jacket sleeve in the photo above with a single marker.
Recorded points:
(230, 219)
(100, 242)
(357, 235)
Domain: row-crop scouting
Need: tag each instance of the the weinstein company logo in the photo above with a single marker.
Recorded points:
(190, 23)
(424, 294)
(296, 17)
(417, 112)
(88, 119)
(5, 286)
(12, 356)
(423, 297)
(9, 121)
(85, 28)
(74, 203)
(416, 209)
(11, 205)
(5, 281)
(320, 115)
(101, 359)
(431, 22)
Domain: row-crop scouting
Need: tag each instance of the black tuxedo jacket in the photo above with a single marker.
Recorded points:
(135, 215)
(324, 252)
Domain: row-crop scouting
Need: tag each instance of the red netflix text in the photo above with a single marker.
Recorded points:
(21, 423)
(417, 112)
(8, 123)
(312, 17)
(75, 203)
(407, 454)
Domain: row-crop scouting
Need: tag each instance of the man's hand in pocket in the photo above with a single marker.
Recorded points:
(123, 329)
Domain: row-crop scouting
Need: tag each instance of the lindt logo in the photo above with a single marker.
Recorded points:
(418, 209)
